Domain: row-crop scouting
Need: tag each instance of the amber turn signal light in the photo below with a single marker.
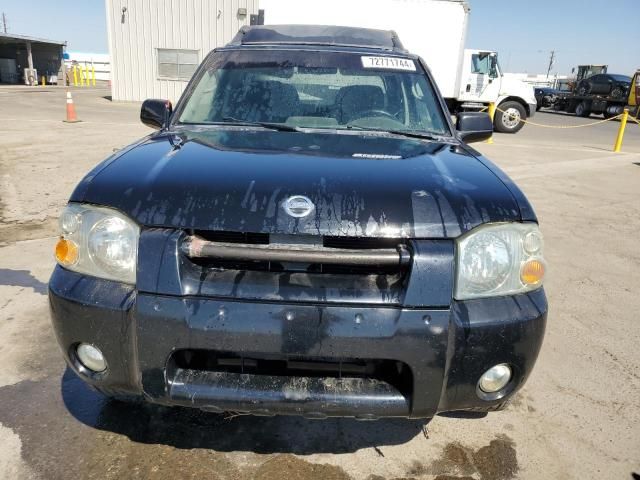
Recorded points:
(532, 272)
(66, 252)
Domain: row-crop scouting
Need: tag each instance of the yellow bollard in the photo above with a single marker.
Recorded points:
(81, 73)
(75, 76)
(93, 75)
(623, 124)
(492, 114)
(44, 81)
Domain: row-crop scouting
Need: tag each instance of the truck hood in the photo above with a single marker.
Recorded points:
(237, 180)
(512, 86)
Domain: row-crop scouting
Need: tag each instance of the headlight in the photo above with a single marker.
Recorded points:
(98, 241)
(496, 260)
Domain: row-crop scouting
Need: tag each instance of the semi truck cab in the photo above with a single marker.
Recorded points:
(482, 81)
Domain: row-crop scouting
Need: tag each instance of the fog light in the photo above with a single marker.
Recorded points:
(91, 357)
(495, 379)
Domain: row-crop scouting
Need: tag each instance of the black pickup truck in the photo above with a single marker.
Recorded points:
(306, 233)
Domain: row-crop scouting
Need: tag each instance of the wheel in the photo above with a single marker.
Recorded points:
(583, 109)
(583, 88)
(617, 92)
(509, 119)
(571, 106)
(608, 115)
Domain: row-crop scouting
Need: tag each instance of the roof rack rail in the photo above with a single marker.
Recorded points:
(318, 35)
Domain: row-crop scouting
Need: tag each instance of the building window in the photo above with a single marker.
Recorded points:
(177, 64)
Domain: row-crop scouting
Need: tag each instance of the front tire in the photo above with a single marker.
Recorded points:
(509, 119)
(617, 92)
(583, 109)
(584, 88)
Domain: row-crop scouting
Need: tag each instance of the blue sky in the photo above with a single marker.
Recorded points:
(523, 31)
(582, 32)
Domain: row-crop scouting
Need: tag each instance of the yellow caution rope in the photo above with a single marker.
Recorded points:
(529, 122)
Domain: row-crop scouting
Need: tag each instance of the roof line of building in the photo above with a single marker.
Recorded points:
(28, 38)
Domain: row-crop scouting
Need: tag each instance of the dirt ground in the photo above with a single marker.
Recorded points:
(577, 418)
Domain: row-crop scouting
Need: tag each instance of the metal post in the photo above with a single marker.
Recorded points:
(551, 62)
(492, 114)
(63, 68)
(30, 62)
(623, 123)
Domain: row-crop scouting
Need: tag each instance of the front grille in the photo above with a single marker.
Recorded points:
(296, 268)
(393, 372)
(290, 253)
(361, 243)
(233, 237)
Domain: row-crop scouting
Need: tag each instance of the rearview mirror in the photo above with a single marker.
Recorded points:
(155, 113)
(474, 126)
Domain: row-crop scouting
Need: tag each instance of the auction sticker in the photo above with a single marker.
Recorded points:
(389, 63)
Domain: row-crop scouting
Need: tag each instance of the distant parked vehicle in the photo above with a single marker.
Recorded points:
(545, 97)
(610, 85)
(603, 93)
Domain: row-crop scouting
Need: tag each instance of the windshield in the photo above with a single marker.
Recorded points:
(311, 89)
(485, 63)
(621, 78)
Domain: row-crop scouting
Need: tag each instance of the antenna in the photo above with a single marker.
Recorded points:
(4, 22)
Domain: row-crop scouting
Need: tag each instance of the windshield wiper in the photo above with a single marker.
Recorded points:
(403, 133)
(281, 127)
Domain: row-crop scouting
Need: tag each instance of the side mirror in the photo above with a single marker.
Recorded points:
(155, 113)
(474, 126)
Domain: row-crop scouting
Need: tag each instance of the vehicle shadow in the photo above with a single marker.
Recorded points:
(187, 428)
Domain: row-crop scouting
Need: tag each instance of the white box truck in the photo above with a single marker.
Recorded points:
(434, 29)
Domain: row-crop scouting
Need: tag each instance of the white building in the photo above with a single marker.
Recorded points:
(541, 79)
(100, 62)
(156, 45)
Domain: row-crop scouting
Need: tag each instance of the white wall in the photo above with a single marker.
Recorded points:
(177, 24)
(539, 80)
(100, 61)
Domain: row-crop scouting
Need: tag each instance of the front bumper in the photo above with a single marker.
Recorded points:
(446, 349)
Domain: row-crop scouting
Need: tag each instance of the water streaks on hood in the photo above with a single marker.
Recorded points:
(238, 179)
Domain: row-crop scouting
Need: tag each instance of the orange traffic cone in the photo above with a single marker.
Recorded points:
(71, 110)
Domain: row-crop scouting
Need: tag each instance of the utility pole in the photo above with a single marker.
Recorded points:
(552, 60)
(4, 22)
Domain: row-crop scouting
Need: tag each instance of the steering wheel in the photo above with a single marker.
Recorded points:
(376, 113)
